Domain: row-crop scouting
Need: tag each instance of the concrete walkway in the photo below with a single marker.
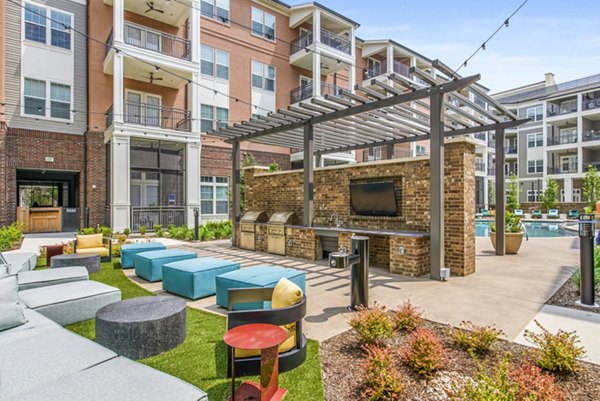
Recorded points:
(508, 291)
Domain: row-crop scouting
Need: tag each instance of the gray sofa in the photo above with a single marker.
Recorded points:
(40, 360)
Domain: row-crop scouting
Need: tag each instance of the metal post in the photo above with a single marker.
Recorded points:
(309, 162)
(437, 186)
(196, 222)
(235, 196)
(500, 195)
(586, 260)
(359, 286)
(389, 151)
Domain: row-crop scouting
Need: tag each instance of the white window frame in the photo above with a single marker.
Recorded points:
(537, 137)
(215, 51)
(264, 68)
(576, 195)
(537, 164)
(535, 114)
(214, 185)
(47, 106)
(48, 18)
(374, 61)
(144, 184)
(533, 195)
(144, 101)
(215, 123)
(263, 24)
(215, 16)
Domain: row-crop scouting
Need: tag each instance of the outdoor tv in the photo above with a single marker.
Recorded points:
(373, 198)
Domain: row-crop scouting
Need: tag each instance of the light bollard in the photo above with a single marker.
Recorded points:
(196, 222)
(586, 260)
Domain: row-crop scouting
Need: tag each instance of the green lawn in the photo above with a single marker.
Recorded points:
(202, 358)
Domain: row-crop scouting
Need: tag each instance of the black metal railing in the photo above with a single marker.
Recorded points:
(306, 92)
(596, 165)
(107, 222)
(109, 116)
(152, 115)
(564, 108)
(480, 166)
(567, 168)
(591, 104)
(480, 136)
(108, 44)
(510, 150)
(327, 38)
(149, 216)
(562, 139)
(491, 171)
(591, 135)
(157, 41)
(401, 69)
(70, 219)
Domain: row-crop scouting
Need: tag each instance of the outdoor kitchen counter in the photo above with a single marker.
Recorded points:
(413, 234)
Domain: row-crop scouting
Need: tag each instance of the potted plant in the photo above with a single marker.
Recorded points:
(513, 234)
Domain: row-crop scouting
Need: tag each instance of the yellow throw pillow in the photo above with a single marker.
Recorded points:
(89, 241)
(285, 294)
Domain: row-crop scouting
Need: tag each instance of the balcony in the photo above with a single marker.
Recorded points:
(491, 171)
(306, 92)
(156, 41)
(327, 38)
(562, 139)
(480, 166)
(154, 116)
(510, 150)
(377, 154)
(401, 69)
(595, 164)
(480, 136)
(564, 108)
(591, 104)
(566, 168)
(591, 135)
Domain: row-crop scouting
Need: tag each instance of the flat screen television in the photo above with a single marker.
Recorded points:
(373, 198)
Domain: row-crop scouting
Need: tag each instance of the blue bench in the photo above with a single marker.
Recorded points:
(255, 276)
(148, 265)
(195, 278)
(128, 252)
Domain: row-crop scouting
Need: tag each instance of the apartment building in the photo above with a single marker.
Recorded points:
(110, 118)
(560, 141)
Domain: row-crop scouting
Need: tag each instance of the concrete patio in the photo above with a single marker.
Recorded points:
(508, 291)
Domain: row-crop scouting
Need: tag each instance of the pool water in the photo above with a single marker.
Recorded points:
(534, 229)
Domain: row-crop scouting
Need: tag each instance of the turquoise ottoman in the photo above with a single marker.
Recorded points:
(128, 252)
(256, 276)
(148, 265)
(195, 278)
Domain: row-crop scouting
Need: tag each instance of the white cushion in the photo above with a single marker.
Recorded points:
(11, 313)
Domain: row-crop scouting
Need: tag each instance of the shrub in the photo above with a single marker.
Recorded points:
(383, 381)
(143, 230)
(407, 317)
(158, 230)
(556, 352)
(106, 231)
(373, 326)
(473, 338)
(87, 231)
(490, 387)
(10, 236)
(424, 352)
(535, 385)
(127, 231)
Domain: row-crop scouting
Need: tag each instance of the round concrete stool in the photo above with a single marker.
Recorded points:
(141, 327)
(91, 262)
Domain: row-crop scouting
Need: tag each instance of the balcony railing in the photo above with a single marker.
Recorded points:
(149, 216)
(401, 69)
(151, 115)
(564, 108)
(306, 92)
(108, 44)
(480, 136)
(567, 168)
(160, 42)
(491, 171)
(591, 104)
(327, 38)
(563, 139)
(378, 154)
(510, 150)
(480, 166)
(591, 135)
(596, 165)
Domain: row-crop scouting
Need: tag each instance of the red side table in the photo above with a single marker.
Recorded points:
(53, 250)
(266, 338)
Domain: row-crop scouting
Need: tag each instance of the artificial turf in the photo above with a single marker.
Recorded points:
(202, 358)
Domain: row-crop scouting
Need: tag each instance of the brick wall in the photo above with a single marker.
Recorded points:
(216, 161)
(283, 191)
(96, 177)
(304, 245)
(3, 188)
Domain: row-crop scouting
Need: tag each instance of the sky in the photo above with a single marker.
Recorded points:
(562, 37)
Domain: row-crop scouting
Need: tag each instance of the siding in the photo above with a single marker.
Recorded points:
(13, 70)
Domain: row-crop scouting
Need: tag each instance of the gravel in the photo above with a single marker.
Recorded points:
(343, 369)
(568, 294)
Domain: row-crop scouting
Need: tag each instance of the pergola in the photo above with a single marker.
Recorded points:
(430, 106)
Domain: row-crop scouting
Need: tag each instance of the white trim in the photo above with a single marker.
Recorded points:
(263, 25)
(47, 101)
(264, 75)
(48, 20)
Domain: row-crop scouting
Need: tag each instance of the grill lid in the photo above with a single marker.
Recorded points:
(255, 217)
(281, 218)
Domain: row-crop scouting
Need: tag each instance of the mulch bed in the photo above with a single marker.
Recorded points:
(343, 369)
(568, 294)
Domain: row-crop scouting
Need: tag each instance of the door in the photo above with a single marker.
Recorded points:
(306, 89)
(577, 195)
(133, 108)
(152, 41)
(133, 35)
(568, 164)
(153, 110)
(374, 67)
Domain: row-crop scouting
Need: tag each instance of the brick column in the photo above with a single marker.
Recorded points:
(3, 188)
(96, 178)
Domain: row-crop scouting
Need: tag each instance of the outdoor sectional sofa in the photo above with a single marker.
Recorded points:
(40, 360)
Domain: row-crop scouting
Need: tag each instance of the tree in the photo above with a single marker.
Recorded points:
(512, 201)
(491, 192)
(549, 196)
(591, 186)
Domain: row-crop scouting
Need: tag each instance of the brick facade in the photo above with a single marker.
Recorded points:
(96, 177)
(283, 191)
(216, 160)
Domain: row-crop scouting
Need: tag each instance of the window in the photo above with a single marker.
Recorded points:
(60, 101)
(214, 195)
(374, 67)
(222, 64)
(535, 166)
(535, 140)
(421, 150)
(35, 23)
(263, 24)
(207, 117)
(35, 97)
(220, 69)
(533, 195)
(263, 76)
(36, 28)
(217, 9)
(577, 195)
(535, 113)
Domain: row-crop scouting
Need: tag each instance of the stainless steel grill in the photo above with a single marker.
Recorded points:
(248, 228)
(276, 231)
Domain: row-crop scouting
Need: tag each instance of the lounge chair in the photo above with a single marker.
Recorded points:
(94, 244)
(485, 213)
(536, 214)
(290, 309)
(518, 212)
(573, 214)
(553, 214)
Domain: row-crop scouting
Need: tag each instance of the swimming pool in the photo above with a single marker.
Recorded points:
(534, 229)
